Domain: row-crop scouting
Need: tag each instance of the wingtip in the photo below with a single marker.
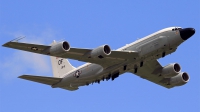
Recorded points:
(14, 40)
(21, 76)
(6, 44)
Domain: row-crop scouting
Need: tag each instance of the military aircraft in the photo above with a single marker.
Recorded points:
(139, 57)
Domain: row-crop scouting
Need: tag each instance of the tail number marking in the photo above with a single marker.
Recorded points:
(60, 61)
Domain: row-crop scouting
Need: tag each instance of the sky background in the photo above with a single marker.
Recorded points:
(89, 24)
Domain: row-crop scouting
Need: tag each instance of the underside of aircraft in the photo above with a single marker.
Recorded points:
(139, 57)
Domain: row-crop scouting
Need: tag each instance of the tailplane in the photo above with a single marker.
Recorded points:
(41, 79)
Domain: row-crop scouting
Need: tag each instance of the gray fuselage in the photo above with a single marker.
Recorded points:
(154, 46)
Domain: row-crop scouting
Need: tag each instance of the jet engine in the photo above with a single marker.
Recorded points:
(60, 48)
(180, 79)
(100, 52)
(171, 70)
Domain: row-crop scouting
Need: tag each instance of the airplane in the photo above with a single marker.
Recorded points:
(139, 57)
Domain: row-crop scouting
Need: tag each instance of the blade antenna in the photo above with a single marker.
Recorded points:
(17, 39)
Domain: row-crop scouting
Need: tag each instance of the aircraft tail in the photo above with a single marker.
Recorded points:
(60, 66)
(41, 79)
(46, 80)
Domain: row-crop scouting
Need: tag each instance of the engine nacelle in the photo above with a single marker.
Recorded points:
(180, 79)
(60, 48)
(100, 52)
(171, 70)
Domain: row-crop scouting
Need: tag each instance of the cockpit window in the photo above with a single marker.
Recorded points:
(174, 29)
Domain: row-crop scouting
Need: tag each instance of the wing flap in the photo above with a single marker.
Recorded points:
(41, 79)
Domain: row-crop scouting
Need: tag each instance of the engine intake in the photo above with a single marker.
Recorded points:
(180, 79)
(100, 52)
(58, 49)
(171, 70)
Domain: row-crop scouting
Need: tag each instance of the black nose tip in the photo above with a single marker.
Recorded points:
(186, 33)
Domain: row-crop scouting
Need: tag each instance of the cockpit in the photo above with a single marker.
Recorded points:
(176, 28)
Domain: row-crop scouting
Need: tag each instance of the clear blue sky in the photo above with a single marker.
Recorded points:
(89, 24)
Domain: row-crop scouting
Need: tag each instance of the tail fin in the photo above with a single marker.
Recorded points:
(60, 66)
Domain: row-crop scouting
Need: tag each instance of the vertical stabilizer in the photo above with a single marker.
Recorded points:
(60, 66)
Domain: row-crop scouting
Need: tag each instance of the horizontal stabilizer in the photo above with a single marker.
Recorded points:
(41, 79)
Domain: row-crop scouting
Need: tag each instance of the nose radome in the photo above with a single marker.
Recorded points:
(186, 33)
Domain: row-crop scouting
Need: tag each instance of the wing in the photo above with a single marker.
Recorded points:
(150, 71)
(114, 58)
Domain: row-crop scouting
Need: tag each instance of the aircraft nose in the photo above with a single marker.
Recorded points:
(186, 33)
